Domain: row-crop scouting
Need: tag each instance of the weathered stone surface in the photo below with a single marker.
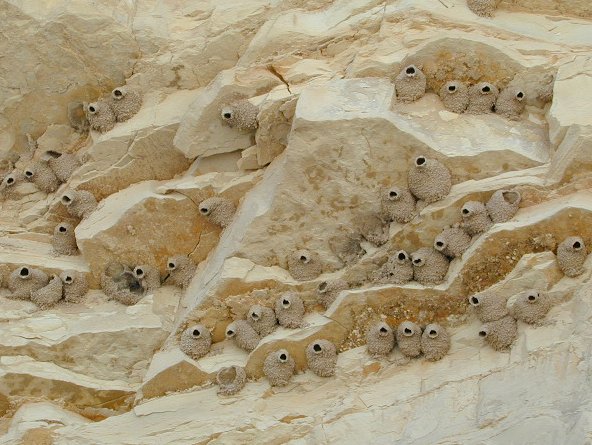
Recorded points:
(202, 132)
(366, 146)
(23, 376)
(331, 136)
(59, 37)
(35, 421)
(55, 336)
(137, 150)
(16, 252)
(486, 385)
(570, 120)
(136, 214)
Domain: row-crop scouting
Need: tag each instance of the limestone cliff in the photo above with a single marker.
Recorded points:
(226, 165)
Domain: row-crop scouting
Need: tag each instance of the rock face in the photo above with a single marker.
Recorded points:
(256, 199)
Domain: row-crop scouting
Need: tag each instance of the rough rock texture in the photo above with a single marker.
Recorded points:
(327, 135)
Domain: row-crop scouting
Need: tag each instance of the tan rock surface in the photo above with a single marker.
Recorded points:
(331, 136)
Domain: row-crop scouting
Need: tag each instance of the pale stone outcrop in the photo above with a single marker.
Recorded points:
(321, 139)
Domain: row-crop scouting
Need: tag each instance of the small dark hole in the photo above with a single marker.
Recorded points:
(520, 95)
(10, 180)
(230, 332)
(433, 333)
(171, 265)
(393, 194)
(482, 334)
(408, 331)
(204, 210)
(303, 258)
(62, 229)
(474, 300)
(486, 89)
(92, 109)
(66, 199)
(410, 70)
(283, 357)
(254, 316)
(196, 333)
(383, 330)
(417, 261)
(285, 302)
(53, 154)
(24, 272)
(317, 347)
(402, 256)
(465, 211)
(323, 286)
(227, 115)
(451, 88)
(439, 243)
(29, 173)
(117, 93)
(139, 272)
(531, 297)
(420, 161)
(577, 245)
(68, 279)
